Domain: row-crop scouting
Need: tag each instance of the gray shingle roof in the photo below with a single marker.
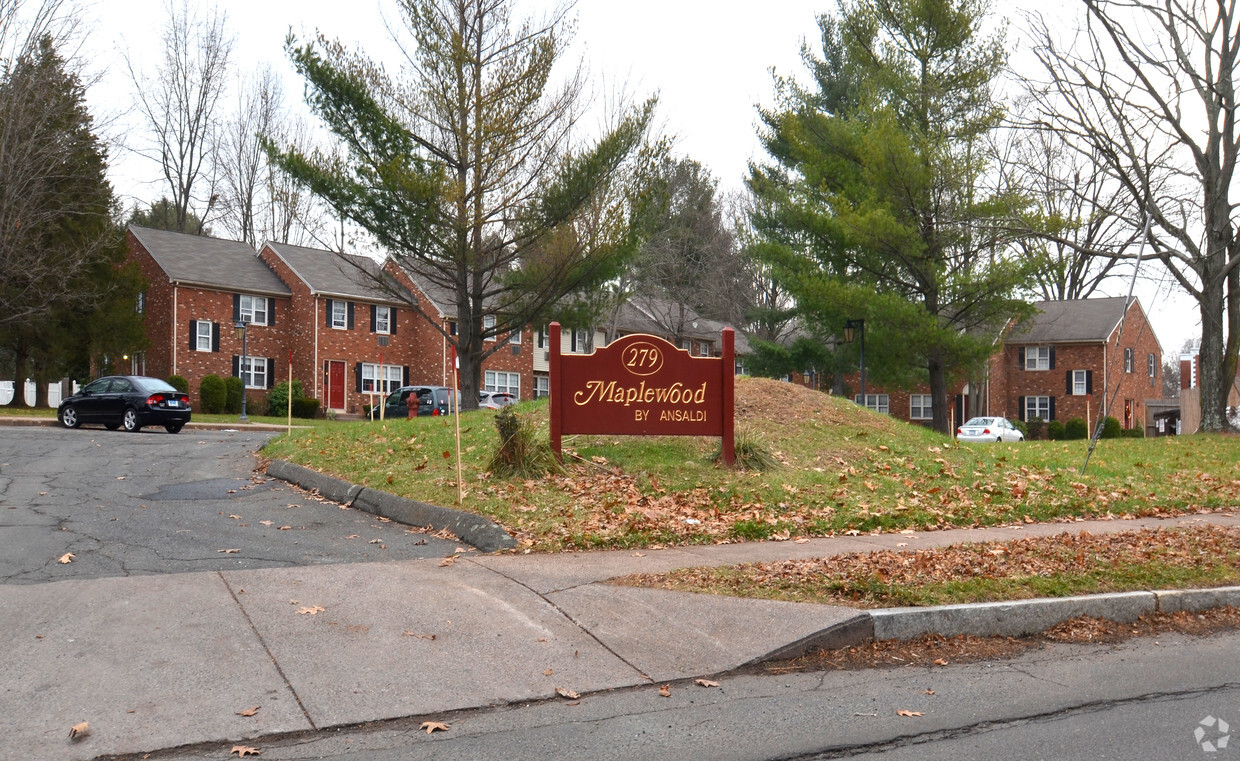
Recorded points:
(1079, 321)
(333, 274)
(198, 260)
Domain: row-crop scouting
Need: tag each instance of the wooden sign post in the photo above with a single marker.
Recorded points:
(642, 385)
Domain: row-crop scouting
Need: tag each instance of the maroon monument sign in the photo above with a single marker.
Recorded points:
(641, 385)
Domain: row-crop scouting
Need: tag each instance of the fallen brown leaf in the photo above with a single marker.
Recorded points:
(903, 712)
(311, 610)
(244, 750)
(78, 731)
(705, 683)
(940, 661)
(235, 517)
(248, 711)
(283, 528)
(67, 558)
(548, 672)
(564, 692)
(267, 523)
(665, 691)
(927, 692)
(447, 561)
(434, 726)
(229, 552)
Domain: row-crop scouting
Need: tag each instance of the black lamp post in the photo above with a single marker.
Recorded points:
(854, 329)
(243, 364)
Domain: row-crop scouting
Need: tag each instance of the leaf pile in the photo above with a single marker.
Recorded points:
(1067, 564)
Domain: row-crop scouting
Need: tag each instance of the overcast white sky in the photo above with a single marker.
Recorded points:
(709, 60)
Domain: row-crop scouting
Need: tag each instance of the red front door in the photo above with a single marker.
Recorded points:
(335, 385)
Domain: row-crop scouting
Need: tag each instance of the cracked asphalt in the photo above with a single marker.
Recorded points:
(128, 504)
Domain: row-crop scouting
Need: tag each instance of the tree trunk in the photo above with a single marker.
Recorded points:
(938, 395)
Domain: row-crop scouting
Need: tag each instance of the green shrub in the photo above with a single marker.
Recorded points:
(1111, 429)
(1133, 433)
(305, 408)
(234, 389)
(1075, 429)
(1055, 430)
(277, 398)
(179, 383)
(1037, 429)
(1021, 426)
(520, 453)
(212, 394)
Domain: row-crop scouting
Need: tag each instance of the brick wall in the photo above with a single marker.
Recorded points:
(157, 315)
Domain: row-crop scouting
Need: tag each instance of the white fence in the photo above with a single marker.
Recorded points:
(8, 393)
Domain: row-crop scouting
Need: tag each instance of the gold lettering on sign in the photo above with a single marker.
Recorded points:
(612, 392)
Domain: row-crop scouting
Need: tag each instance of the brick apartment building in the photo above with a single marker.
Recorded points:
(1062, 363)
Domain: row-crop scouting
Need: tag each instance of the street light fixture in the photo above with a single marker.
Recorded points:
(243, 365)
(853, 329)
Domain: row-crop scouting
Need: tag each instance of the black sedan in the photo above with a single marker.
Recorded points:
(128, 401)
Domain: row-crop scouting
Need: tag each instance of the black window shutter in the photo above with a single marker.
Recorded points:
(236, 307)
(1021, 353)
(236, 366)
(1052, 367)
(329, 312)
(392, 324)
(406, 382)
(1052, 417)
(271, 311)
(1070, 389)
(1089, 381)
(193, 335)
(374, 316)
(1020, 410)
(271, 372)
(350, 315)
(357, 373)
(215, 336)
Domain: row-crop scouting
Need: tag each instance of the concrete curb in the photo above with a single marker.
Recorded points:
(1002, 619)
(480, 532)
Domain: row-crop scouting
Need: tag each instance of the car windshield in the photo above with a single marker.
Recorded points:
(980, 421)
(154, 385)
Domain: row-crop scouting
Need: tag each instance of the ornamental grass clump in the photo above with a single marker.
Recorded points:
(520, 452)
(751, 450)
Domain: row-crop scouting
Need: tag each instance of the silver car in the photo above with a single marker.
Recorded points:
(989, 429)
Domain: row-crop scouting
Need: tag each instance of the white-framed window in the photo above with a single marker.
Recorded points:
(1037, 357)
(496, 380)
(383, 319)
(540, 338)
(373, 382)
(920, 407)
(578, 341)
(1129, 360)
(140, 307)
(704, 349)
(740, 367)
(340, 315)
(254, 310)
(1080, 382)
(687, 345)
(877, 402)
(488, 324)
(254, 372)
(1153, 366)
(1037, 406)
(514, 337)
(202, 335)
(542, 386)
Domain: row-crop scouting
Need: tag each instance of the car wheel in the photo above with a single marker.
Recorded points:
(173, 428)
(111, 426)
(998, 439)
(130, 420)
(70, 418)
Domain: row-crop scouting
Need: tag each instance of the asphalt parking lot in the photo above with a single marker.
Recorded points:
(121, 504)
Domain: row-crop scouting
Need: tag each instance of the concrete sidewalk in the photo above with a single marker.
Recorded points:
(155, 662)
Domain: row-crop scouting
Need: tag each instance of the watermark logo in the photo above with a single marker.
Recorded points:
(1218, 732)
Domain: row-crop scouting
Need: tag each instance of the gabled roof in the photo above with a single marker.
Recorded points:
(227, 265)
(1078, 321)
(641, 315)
(328, 273)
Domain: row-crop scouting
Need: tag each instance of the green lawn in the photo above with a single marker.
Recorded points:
(842, 469)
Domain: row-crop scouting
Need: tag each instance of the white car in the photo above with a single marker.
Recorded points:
(989, 429)
(493, 400)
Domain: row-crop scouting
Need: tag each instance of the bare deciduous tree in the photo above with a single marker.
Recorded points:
(179, 104)
(1148, 90)
(243, 161)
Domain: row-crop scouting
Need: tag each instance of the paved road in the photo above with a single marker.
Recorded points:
(1139, 701)
(152, 503)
